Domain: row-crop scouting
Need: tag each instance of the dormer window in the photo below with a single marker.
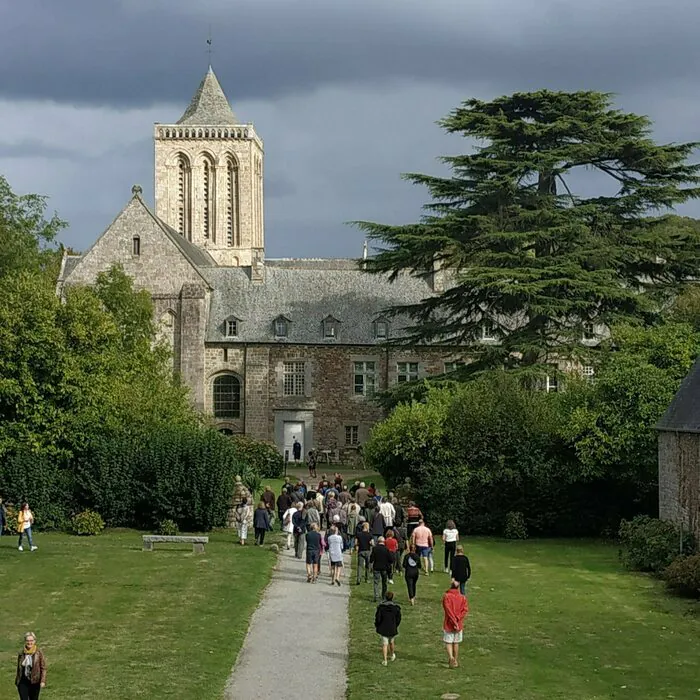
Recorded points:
(588, 331)
(331, 328)
(381, 329)
(488, 331)
(231, 327)
(281, 327)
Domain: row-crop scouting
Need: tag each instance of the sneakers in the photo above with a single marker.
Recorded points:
(21, 548)
(34, 548)
(393, 657)
(384, 663)
(391, 581)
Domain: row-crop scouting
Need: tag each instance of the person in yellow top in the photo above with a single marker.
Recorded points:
(25, 520)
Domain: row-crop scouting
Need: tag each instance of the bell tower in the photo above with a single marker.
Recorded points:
(209, 178)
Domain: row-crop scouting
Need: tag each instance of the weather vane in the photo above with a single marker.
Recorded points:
(209, 45)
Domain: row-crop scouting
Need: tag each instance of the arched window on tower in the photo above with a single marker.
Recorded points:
(184, 197)
(208, 199)
(227, 396)
(233, 234)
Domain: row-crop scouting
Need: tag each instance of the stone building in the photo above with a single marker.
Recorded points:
(679, 456)
(277, 349)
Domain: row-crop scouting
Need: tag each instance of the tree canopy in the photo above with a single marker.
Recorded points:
(533, 259)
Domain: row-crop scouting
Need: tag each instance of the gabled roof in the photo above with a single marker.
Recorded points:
(306, 292)
(209, 106)
(683, 414)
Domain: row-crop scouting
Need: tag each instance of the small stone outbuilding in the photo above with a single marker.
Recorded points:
(679, 456)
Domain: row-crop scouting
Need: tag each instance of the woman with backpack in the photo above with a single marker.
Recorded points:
(411, 567)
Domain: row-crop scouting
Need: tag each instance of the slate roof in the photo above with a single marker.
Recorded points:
(683, 414)
(209, 106)
(306, 291)
(69, 266)
(195, 255)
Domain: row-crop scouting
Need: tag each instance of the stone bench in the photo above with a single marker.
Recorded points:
(197, 542)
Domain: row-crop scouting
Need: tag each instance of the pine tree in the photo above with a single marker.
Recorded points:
(531, 261)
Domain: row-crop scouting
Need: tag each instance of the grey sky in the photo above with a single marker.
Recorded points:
(345, 94)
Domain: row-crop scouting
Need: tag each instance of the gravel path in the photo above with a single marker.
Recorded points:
(297, 626)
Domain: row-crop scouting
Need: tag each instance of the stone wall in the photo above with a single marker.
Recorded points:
(679, 479)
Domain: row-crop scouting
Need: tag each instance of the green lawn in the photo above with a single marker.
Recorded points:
(117, 622)
(549, 620)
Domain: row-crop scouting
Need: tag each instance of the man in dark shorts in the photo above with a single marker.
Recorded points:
(313, 554)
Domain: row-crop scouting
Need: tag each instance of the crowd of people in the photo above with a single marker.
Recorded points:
(387, 536)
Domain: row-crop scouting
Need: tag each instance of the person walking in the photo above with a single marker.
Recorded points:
(25, 521)
(284, 502)
(3, 518)
(392, 545)
(313, 553)
(335, 553)
(243, 516)
(363, 546)
(450, 537)
(288, 525)
(461, 569)
(455, 607)
(31, 669)
(261, 523)
(311, 464)
(411, 568)
(268, 498)
(296, 450)
(361, 495)
(377, 527)
(381, 561)
(299, 529)
(387, 619)
(423, 539)
(352, 511)
(388, 512)
(413, 518)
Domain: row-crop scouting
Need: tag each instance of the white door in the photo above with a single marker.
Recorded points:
(293, 432)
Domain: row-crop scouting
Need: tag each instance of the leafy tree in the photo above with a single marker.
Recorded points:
(611, 423)
(531, 256)
(27, 237)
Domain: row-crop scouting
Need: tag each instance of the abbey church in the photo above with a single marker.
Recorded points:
(279, 349)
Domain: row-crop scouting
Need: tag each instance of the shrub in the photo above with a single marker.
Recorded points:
(88, 523)
(168, 527)
(261, 457)
(650, 544)
(682, 575)
(515, 527)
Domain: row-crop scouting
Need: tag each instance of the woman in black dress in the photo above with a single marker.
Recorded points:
(411, 567)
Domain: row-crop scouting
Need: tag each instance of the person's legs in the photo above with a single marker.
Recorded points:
(244, 532)
(309, 570)
(385, 650)
(411, 586)
(377, 576)
(23, 689)
(431, 560)
(455, 653)
(450, 656)
(462, 587)
(424, 564)
(289, 540)
(392, 649)
(262, 535)
(19, 543)
(34, 691)
(384, 579)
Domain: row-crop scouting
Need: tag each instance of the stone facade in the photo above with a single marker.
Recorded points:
(281, 350)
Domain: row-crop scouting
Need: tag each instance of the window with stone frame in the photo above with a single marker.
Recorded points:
(588, 331)
(227, 396)
(136, 246)
(281, 327)
(331, 328)
(231, 327)
(453, 366)
(365, 382)
(552, 381)
(488, 330)
(352, 435)
(381, 329)
(294, 378)
(588, 372)
(406, 371)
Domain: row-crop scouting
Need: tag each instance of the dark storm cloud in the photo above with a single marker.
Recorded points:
(133, 52)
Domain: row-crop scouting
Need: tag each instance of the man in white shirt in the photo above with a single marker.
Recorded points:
(388, 511)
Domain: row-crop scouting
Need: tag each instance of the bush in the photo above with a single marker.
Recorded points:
(168, 527)
(650, 544)
(261, 457)
(88, 523)
(683, 576)
(515, 527)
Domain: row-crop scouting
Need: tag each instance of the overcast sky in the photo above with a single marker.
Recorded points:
(345, 93)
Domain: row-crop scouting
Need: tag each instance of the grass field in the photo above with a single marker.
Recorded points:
(116, 622)
(548, 620)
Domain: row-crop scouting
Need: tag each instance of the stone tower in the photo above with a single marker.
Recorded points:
(209, 178)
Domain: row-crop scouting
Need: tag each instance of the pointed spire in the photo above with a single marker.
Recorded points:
(209, 106)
